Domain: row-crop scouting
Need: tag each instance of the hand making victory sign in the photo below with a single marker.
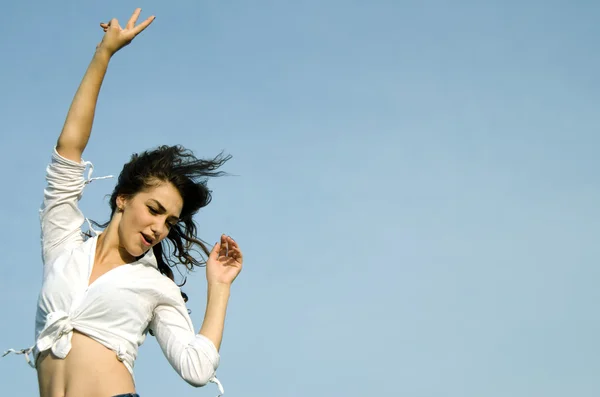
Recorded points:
(116, 37)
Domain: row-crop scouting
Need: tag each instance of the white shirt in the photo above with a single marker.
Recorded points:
(118, 308)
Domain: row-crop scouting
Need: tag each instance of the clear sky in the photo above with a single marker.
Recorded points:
(415, 185)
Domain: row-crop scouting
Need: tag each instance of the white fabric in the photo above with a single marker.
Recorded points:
(118, 308)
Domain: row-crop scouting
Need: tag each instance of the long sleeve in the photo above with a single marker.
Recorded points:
(192, 355)
(60, 217)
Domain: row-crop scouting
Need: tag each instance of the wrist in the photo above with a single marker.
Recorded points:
(103, 53)
(220, 288)
(218, 292)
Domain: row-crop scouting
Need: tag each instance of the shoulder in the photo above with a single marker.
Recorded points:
(76, 254)
(165, 288)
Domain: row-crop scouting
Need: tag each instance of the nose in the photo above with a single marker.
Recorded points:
(158, 229)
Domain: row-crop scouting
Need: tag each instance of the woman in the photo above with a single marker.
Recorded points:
(101, 295)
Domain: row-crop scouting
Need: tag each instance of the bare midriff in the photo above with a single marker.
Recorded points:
(90, 369)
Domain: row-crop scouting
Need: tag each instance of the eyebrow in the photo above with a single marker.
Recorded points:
(162, 210)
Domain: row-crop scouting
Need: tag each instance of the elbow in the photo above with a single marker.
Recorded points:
(198, 367)
(198, 378)
(197, 381)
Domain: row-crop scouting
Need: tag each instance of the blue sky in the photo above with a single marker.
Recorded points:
(415, 185)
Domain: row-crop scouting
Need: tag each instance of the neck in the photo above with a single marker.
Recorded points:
(108, 247)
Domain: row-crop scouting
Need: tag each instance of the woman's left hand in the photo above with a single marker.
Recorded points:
(224, 262)
(116, 37)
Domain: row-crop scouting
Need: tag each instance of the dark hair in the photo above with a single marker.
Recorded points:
(189, 175)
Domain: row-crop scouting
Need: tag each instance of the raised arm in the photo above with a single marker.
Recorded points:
(60, 216)
(78, 125)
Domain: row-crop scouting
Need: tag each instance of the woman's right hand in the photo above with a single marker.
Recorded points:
(116, 37)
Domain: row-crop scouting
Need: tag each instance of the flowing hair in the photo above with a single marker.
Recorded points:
(189, 175)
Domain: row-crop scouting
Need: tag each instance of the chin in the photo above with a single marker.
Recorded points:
(136, 252)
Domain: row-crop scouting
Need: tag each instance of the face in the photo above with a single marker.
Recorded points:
(147, 217)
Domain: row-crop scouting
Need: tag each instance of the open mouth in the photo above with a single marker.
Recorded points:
(146, 240)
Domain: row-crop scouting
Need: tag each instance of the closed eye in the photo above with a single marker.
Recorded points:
(155, 211)
(171, 220)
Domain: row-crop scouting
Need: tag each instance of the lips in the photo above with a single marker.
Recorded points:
(147, 240)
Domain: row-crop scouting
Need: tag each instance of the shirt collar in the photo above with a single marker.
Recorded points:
(148, 259)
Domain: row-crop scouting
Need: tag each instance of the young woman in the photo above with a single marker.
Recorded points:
(102, 295)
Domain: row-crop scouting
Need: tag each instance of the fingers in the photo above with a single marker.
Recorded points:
(138, 29)
(113, 22)
(130, 24)
(236, 254)
(214, 253)
(233, 244)
(232, 252)
(224, 248)
(133, 19)
(228, 248)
